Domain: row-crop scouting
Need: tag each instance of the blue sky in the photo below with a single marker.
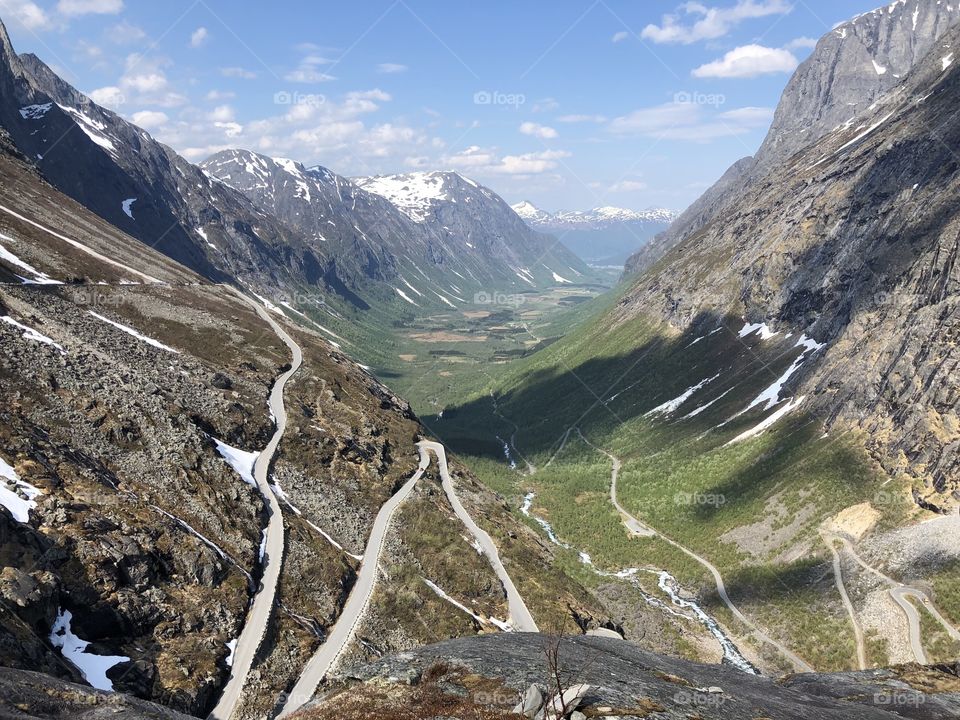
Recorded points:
(568, 103)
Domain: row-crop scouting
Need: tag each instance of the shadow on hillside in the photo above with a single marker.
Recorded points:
(604, 392)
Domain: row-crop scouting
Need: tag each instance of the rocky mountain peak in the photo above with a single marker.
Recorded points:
(852, 66)
(415, 194)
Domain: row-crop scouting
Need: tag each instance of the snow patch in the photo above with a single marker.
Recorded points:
(93, 667)
(39, 278)
(16, 495)
(672, 406)
(240, 460)
(761, 328)
(782, 411)
(562, 280)
(133, 333)
(30, 334)
(35, 112)
(128, 207)
(232, 647)
(406, 297)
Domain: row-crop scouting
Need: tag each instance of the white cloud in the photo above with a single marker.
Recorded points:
(487, 162)
(620, 36)
(238, 72)
(149, 119)
(582, 118)
(690, 122)
(125, 33)
(218, 95)
(309, 72)
(749, 116)
(109, 97)
(545, 105)
(145, 82)
(230, 129)
(26, 13)
(801, 43)
(391, 68)
(309, 76)
(222, 113)
(199, 37)
(541, 131)
(629, 186)
(749, 61)
(709, 23)
(72, 8)
(654, 120)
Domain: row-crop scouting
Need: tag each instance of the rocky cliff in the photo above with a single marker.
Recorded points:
(852, 240)
(851, 67)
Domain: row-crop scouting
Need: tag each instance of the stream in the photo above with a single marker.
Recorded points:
(667, 583)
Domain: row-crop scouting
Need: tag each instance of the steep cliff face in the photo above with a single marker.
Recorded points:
(851, 67)
(854, 241)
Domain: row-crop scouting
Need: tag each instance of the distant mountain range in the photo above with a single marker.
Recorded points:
(601, 236)
(430, 241)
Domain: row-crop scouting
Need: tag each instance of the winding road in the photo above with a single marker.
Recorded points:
(327, 656)
(258, 617)
(344, 630)
(901, 594)
(847, 604)
(635, 526)
(520, 616)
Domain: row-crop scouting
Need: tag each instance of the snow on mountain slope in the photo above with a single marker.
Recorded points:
(603, 235)
(597, 217)
(414, 194)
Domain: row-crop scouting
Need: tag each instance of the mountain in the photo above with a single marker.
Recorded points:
(602, 236)
(850, 68)
(143, 507)
(462, 241)
(336, 253)
(776, 398)
(476, 219)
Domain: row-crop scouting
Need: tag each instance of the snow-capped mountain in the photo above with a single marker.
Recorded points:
(604, 235)
(595, 218)
(425, 239)
(272, 224)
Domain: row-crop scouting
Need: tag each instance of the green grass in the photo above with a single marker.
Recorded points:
(680, 476)
(946, 590)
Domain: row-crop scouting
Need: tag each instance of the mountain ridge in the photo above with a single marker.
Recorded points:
(851, 66)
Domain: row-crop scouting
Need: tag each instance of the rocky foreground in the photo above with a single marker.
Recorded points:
(509, 675)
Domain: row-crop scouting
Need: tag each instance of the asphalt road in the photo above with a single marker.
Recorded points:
(259, 614)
